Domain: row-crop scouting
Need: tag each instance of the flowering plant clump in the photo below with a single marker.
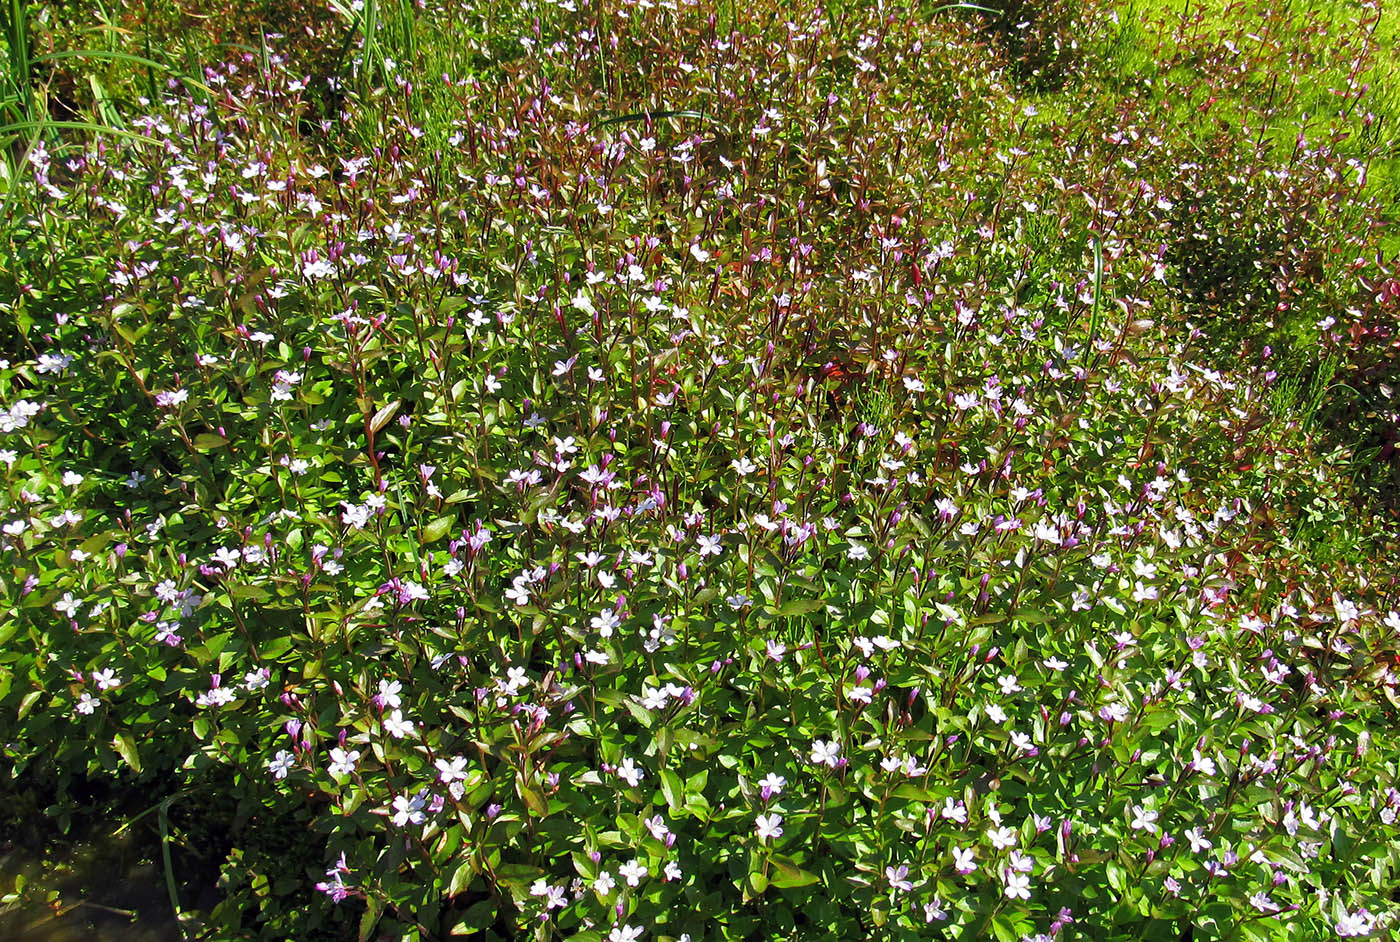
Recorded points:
(680, 475)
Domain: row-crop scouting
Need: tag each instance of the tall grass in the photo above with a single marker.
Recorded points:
(25, 110)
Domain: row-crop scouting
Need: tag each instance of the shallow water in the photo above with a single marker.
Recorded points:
(109, 890)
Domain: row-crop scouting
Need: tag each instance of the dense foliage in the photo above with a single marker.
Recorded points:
(651, 470)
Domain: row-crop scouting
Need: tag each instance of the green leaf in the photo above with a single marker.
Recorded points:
(382, 417)
(464, 874)
(534, 800)
(786, 874)
(519, 875)
(1003, 930)
(1261, 930)
(477, 918)
(28, 702)
(208, 441)
(584, 865)
(801, 606)
(673, 790)
(438, 528)
(1117, 876)
(374, 906)
(916, 793)
(126, 748)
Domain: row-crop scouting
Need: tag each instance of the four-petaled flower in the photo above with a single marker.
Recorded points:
(899, 877)
(826, 753)
(633, 871)
(1144, 819)
(772, 785)
(1002, 837)
(453, 770)
(343, 761)
(281, 764)
(397, 726)
(1018, 885)
(768, 826)
(629, 773)
(409, 810)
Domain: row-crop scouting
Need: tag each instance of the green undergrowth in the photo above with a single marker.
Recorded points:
(628, 470)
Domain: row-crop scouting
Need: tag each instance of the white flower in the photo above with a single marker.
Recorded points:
(605, 621)
(53, 363)
(768, 826)
(409, 810)
(826, 753)
(281, 764)
(1351, 925)
(397, 726)
(562, 367)
(1144, 593)
(629, 773)
(216, 696)
(343, 761)
(899, 877)
(1018, 885)
(320, 268)
(774, 783)
(1144, 819)
(86, 704)
(555, 897)
(355, 516)
(633, 871)
(656, 825)
(1002, 837)
(454, 770)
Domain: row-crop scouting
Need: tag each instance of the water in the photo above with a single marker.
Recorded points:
(108, 889)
